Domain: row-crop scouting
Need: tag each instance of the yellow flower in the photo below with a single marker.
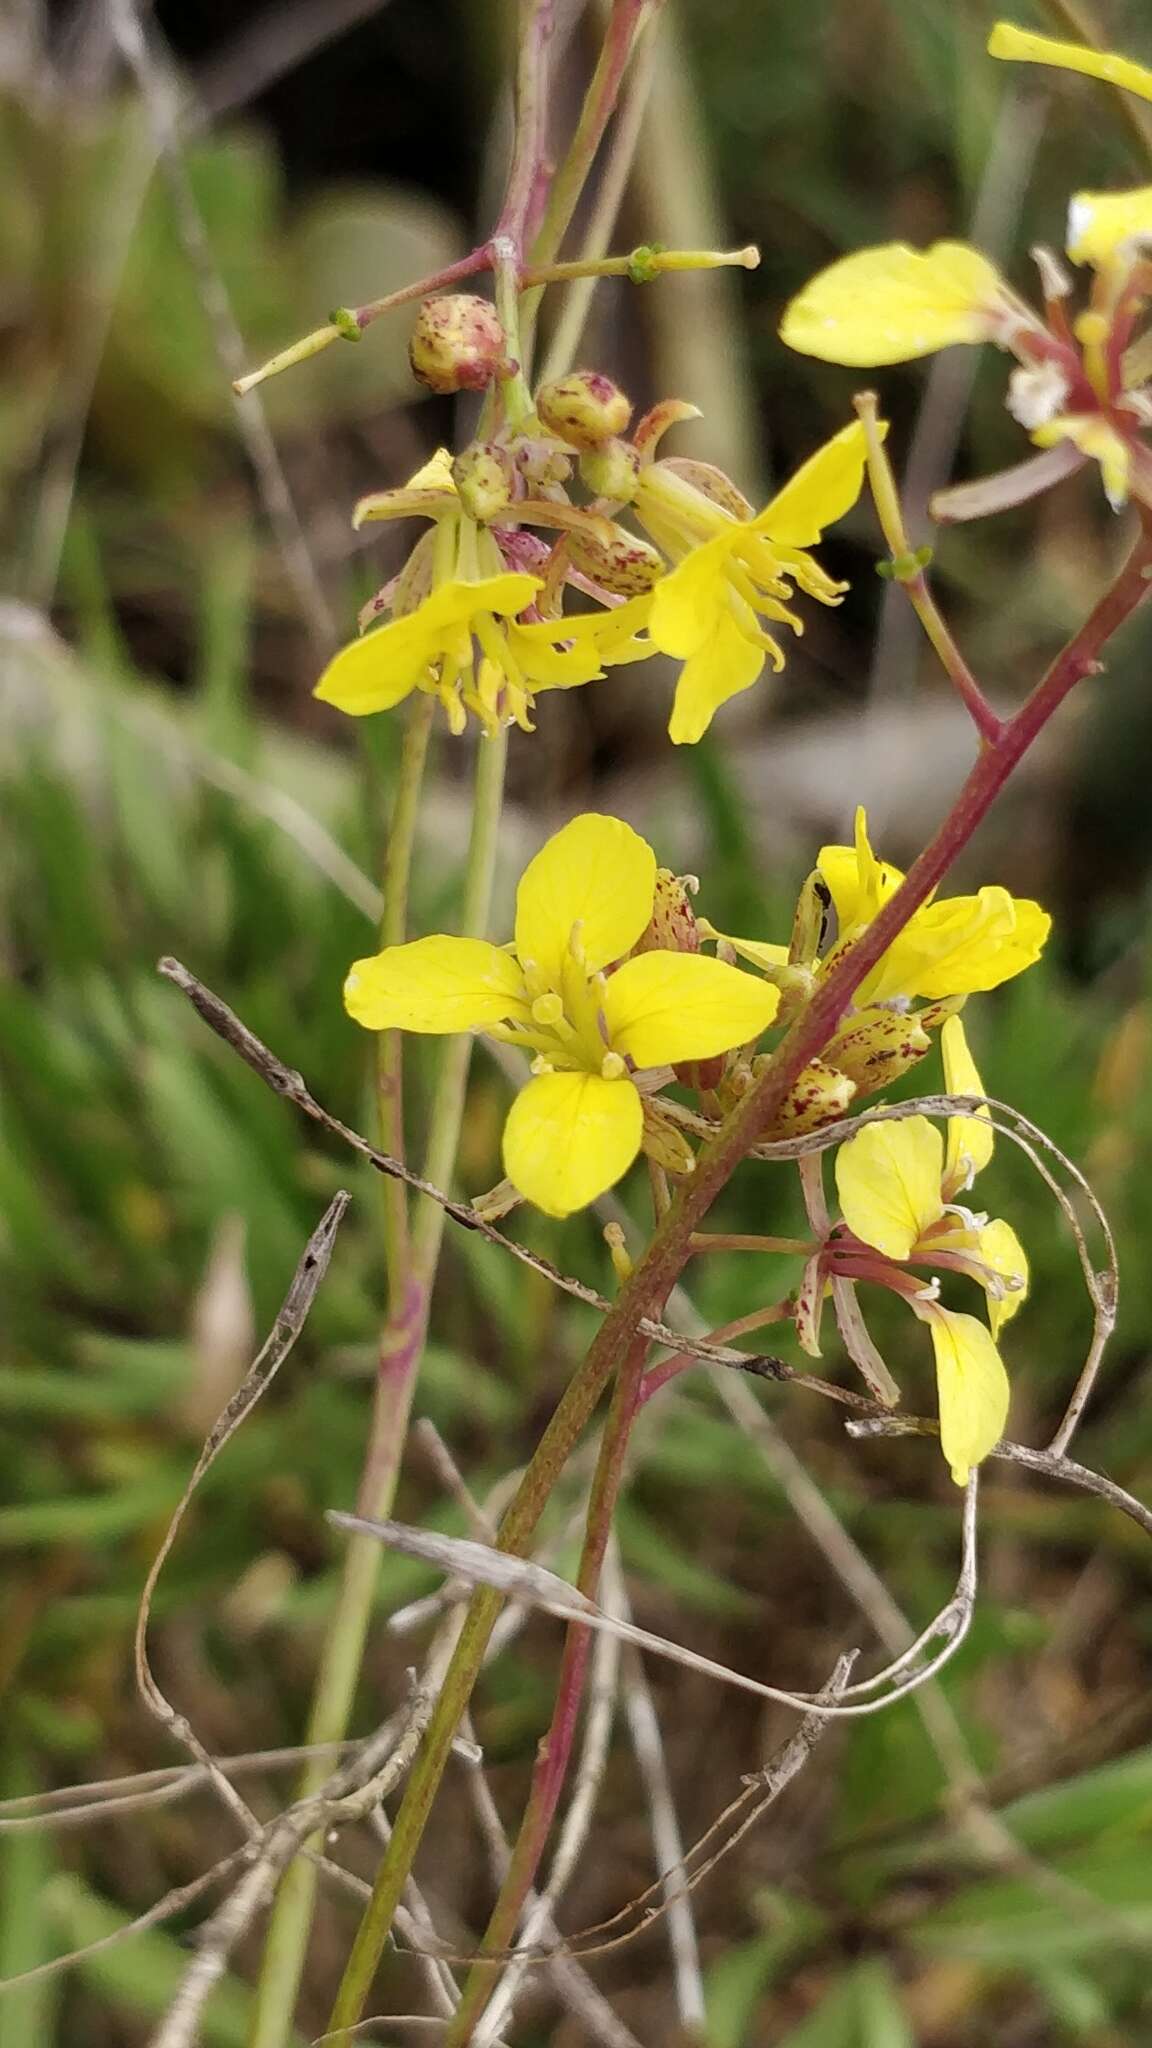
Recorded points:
(897, 1184)
(581, 906)
(456, 629)
(956, 947)
(465, 644)
(731, 572)
(1101, 225)
(1078, 388)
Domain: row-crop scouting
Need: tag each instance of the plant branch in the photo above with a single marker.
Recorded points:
(401, 1349)
(907, 568)
(660, 1266)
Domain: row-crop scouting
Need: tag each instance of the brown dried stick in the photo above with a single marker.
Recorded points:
(287, 1327)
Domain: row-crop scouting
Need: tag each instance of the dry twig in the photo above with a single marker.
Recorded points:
(287, 1327)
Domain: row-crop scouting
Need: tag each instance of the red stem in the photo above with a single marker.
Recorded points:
(617, 1348)
(749, 1124)
(554, 1751)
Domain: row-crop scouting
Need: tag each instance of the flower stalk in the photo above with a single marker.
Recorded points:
(657, 1270)
(908, 568)
(413, 1255)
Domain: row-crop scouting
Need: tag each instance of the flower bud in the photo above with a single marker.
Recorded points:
(618, 1252)
(877, 1047)
(484, 477)
(584, 408)
(672, 927)
(541, 463)
(458, 343)
(611, 471)
(625, 565)
(665, 1144)
(819, 1095)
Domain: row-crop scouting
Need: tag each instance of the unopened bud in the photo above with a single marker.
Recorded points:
(672, 927)
(877, 1047)
(611, 471)
(541, 463)
(819, 1095)
(810, 923)
(625, 565)
(618, 1251)
(666, 1145)
(458, 343)
(584, 408)
(483, 476)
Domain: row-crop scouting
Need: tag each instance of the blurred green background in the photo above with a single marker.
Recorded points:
(168, 786)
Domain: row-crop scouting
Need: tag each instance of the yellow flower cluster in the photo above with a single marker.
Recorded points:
(603, 985)
(602, 988)
(1080, 388)
(487, 639)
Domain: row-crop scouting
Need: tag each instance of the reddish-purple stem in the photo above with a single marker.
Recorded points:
(748, 1125)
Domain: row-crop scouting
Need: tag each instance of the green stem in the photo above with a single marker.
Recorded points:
(393, 932)
(649, 262)
(627, 19)
(448, 1108)
(401, 1348)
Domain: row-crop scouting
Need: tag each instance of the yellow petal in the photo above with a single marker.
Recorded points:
(1100, 223)
(822, 491)
(762, 952)
(689, 604)
(972, 1386)
(889, 304)
(888, 1181)
(1001, 1249)
(374, 673)
(728, 663)
(436, 474)
(1096, 438)
(555, 653)
(596, 873)
(570, 1136)
(435, 984)
(970, 1138)
(1020, 46)
(857, 882)
(967, 944)
(664, 1007)
(546, 663)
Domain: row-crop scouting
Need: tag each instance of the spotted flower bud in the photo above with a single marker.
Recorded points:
(458, 343)
(611, 471)
(584, 408)
(672, 927)
(542, 464)
(877, 1047)
(819, 1095)
(483, 476)
(624, 564)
